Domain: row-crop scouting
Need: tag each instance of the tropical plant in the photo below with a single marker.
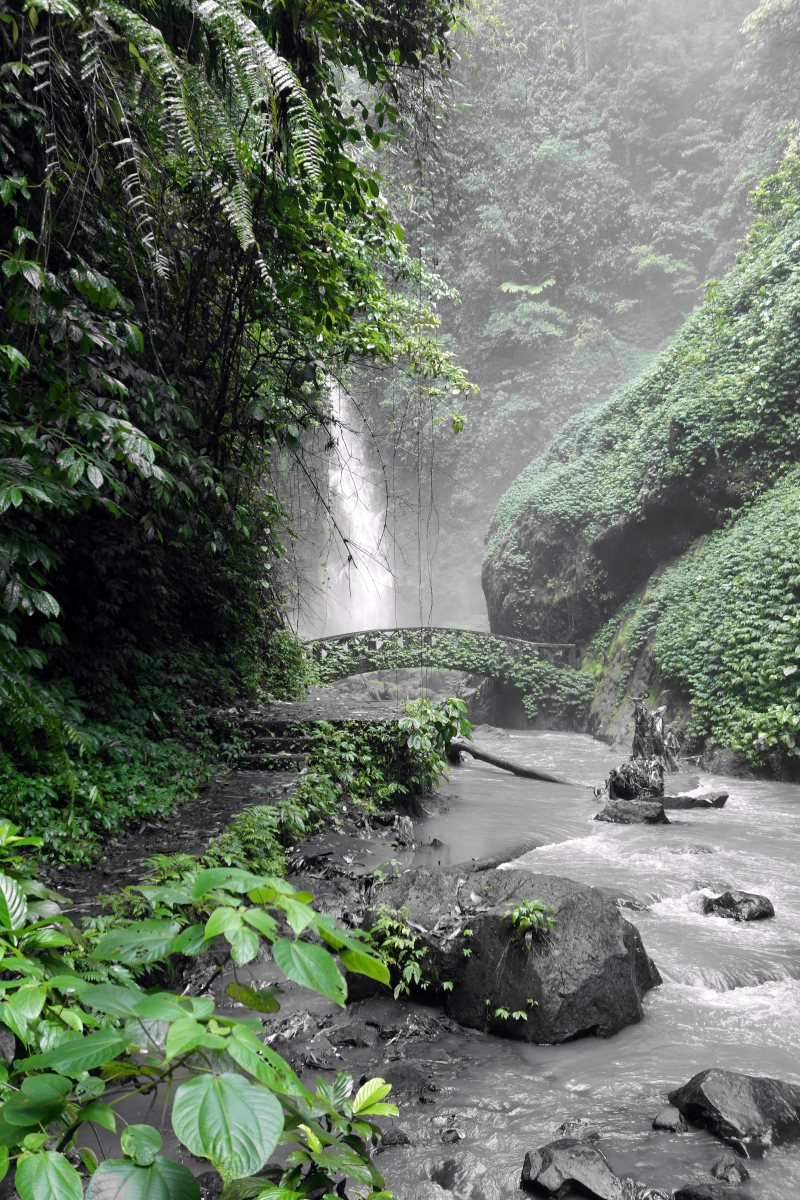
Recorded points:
(529, 919)
(81, 1050)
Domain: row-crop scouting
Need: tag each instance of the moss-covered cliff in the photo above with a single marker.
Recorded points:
(693, 466)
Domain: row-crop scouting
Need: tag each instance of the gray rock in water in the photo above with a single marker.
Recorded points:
(706, 1189)
(567, 1166)
(748, 1112)
(670, 1120)
(396, 1136)
(739, 906)
(634, 812)
(730, 1170)
(579, 1129)
(705, 800)
(695, 848)
(586, 976)
(452, 1136)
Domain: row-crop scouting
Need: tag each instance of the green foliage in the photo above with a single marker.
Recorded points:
(401, 950)
(728, 618)
(84, 1049)
(716, 416)
(620, 171)
(190, 248)
(124, 777)
(530, 919)
(561, 690)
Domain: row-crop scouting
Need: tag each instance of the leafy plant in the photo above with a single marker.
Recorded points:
(84, 1048)
(529, 919)
(401, 950)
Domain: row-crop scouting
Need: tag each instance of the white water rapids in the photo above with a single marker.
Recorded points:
(729, 998)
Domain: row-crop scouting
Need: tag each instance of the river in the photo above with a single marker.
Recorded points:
(729, 997)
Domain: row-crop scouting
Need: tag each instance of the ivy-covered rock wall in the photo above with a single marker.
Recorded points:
(693, 466)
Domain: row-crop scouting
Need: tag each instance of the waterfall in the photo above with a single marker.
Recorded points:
(358, 586)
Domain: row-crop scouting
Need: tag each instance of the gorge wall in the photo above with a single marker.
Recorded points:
(666, 519)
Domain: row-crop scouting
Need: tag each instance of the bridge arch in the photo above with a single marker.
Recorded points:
(507, 660)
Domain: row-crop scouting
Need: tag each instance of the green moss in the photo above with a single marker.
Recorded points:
(723, 396)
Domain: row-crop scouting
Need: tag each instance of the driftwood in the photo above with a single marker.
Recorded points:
(514, 768)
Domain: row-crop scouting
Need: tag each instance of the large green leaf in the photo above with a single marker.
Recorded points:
(13, 905)
(144, 942)
(191, 940)
(187, 1035)
(262, 1061)
(28, 1002)
(224, 1118)
(25, 1110)
(312, 967)
(48, 1177)
(232, 878)
(123, 1179)
(141, 1143)
(365, 964)
(46, 1087)
(259, 999)
(79, 1054)
(111, 999)
(244, 945)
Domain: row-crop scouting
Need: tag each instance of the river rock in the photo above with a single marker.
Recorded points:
(396, 1136)
(634, 812)
(580, 1129)
(748, 1112)
(567, 1166)
(739, 906)
(729, 1169)
(586, 976)
(670, 1120)
(705, 800)
(706, 1189)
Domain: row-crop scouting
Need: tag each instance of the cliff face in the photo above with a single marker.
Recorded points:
(692, 469)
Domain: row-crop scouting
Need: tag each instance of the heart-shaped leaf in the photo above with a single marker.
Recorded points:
(123, 1179)
(48, 1177)
(224, 1118)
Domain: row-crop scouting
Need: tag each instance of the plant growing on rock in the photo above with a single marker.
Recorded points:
(530, 919)
(401, 950)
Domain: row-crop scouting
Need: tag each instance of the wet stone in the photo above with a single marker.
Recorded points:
(729, 1169)
(670, 1120)
(396, 1136)
(580, 1129)
(706, 1189)
(451, 1136)
(569, 1165)
(634, 812)
(739, 906)
(748, 1112)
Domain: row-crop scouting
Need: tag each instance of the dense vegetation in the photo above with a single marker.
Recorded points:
(706, 441)
(591, 172)
(190, 248)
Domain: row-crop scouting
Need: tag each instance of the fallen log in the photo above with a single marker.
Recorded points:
(514, 768)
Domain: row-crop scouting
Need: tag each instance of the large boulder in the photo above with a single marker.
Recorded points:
(634, 812)
(748, 1112)
(706, 1189)
(586, 976)
(739, 906)
(568, 1166)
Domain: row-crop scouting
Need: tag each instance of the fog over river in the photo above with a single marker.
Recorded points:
(729, 997)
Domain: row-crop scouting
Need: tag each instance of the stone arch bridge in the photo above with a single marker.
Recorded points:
(508, 660)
